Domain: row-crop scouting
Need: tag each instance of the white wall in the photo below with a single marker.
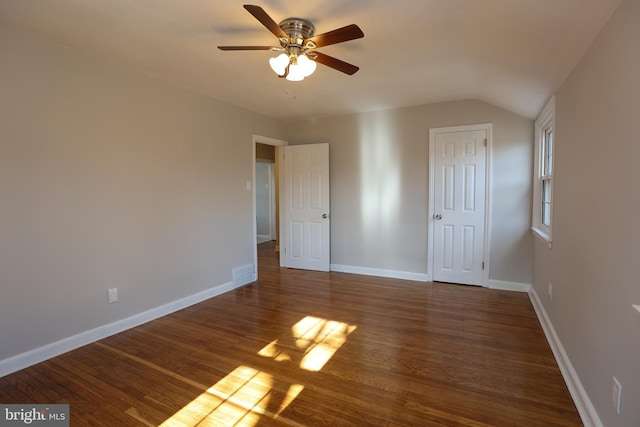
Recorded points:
(593, 264)
(379, 185)
(110, 178)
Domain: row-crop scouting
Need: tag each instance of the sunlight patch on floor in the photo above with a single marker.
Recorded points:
(233, 400)
(274, 351)
(320, 338)
(245, 395)
(240, 398)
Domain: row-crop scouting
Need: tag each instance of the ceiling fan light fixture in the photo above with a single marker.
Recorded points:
(294, 67)
(296, 73)
(279, 63)
(306, 65)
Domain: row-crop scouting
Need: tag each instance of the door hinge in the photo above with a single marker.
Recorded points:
(485, 142)
(483, 265)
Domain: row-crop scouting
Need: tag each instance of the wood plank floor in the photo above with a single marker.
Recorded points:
(307, 348)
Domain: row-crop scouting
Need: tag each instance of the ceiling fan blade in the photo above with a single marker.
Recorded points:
(246, 47)
(265, 20)
(350, 32)
(334, 63)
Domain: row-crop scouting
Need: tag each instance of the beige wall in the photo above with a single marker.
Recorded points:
(593, 264)
(110, 178)
(379, 185)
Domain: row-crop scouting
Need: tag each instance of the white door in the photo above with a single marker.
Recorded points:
(459, 206)
(306, 207)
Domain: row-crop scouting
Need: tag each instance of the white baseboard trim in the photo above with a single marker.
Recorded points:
(508, 286)
(585, 408)
(379, 272)
(263, 238)
(31, 357)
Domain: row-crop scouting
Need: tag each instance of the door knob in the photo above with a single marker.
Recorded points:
(325, 216)
(437, 216)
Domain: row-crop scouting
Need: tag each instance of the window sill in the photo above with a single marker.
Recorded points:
(542, 235)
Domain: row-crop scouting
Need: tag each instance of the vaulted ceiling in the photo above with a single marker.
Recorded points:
(510, 53)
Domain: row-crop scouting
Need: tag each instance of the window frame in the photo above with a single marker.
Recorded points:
(544, 170)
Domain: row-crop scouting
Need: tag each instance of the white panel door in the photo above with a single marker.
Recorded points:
(459, 206)
(306, 187)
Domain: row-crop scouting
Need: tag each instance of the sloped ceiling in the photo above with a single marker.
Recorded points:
(511, 53)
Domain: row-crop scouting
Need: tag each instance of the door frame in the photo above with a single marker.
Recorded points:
(488, 127)
(272, 202)
(261, 139)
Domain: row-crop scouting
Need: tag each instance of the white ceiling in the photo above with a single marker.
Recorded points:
(511, 53)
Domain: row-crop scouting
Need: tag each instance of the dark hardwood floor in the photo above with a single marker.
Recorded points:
(308, 348)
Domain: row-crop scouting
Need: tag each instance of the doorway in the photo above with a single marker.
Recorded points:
(265, 200)
(259, 156)
(459, 204)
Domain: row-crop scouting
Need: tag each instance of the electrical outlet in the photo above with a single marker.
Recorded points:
(550, 291)
(616, 397)
(113, 295)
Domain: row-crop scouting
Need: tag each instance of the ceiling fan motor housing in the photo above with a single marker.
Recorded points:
(298, 31)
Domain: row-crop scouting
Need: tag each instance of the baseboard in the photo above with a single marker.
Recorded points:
(29, 358)
(379, 272)
(262, 238)
(578, 393)
(508, 286)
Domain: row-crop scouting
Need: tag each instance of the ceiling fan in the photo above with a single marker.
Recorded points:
(298, 43)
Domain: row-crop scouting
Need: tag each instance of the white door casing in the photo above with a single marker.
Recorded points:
(458, 164)
(306, 207)
(272, 202)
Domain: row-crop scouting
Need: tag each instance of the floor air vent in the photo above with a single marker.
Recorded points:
(242, 275)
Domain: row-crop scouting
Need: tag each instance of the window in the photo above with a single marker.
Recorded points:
(543, 178)
(546, 175)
